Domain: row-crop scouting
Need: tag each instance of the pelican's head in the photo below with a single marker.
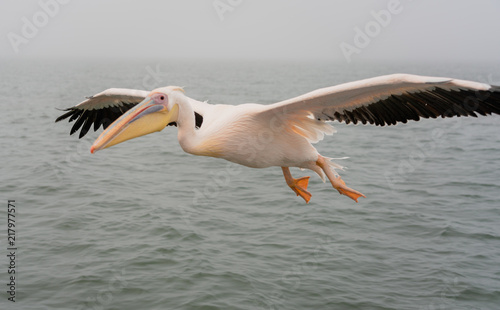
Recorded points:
(155, 112)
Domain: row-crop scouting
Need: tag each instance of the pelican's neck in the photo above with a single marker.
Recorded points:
(187, 133)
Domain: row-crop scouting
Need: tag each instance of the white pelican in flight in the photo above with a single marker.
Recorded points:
(285, 130)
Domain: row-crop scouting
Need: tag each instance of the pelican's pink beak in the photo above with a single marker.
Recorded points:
(146, 117)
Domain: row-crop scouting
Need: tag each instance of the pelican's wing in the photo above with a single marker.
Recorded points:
(388, 100)
(102, 109)
(105, 107)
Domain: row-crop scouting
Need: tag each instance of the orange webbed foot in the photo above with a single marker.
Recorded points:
(344, 190)
(351, 193)
(299, 186)
(337, 182)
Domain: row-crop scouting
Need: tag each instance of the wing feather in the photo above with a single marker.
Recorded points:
(102, 109)
(390, 99)
(105, 107)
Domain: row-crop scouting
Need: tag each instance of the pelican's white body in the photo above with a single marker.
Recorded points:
(239, 134)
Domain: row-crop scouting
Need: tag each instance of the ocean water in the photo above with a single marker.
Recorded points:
(143, 225)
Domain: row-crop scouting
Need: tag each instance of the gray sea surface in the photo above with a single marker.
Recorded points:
(143, 225)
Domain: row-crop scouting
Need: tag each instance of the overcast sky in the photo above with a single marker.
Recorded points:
(405, 30)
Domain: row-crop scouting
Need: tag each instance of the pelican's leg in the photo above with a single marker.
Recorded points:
(336, 181)
(299, 186)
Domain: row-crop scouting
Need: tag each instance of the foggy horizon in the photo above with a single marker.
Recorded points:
(339, 31)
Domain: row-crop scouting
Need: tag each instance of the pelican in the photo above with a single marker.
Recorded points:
(279, 134)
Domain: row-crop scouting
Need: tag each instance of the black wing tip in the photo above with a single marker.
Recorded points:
(419, 105)
(65, 115)
(97, 117)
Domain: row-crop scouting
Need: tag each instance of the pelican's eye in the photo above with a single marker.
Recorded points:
(160, 98)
